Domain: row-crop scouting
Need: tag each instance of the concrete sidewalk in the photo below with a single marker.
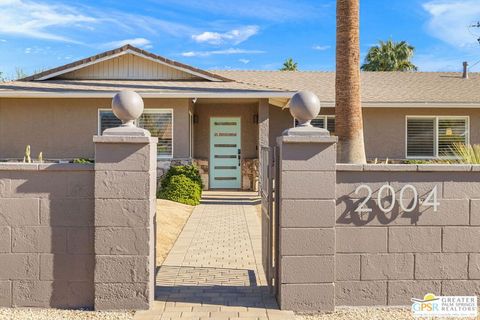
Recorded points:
(214, 270)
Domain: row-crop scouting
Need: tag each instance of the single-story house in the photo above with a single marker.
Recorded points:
(221, 119)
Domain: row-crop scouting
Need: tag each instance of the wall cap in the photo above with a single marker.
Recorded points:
(124, 139)
(307, 139)
(20, 166)
(408, 167)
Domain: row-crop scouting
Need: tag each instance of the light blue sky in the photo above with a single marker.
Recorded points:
(236, 34)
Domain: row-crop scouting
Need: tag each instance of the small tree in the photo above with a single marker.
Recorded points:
(289, 65)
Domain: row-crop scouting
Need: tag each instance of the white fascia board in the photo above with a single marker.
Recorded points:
(412, 105)
(73, 94)
(434, 105)
(81, 66)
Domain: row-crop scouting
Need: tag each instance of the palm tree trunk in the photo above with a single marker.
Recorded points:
(348, 107)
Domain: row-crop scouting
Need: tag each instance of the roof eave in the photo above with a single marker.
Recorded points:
(110, 94)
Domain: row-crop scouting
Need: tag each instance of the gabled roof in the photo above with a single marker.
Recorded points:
(125, 50)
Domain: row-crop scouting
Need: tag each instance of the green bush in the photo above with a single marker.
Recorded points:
(190, 171)
(82, 160)
(181, 188)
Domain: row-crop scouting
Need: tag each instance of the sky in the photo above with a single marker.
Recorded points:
(231, 34)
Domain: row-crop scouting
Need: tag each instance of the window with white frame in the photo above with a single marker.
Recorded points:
(434, 136)
(158, 121)
(324, 122)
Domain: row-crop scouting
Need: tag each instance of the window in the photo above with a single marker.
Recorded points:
(158, 121)
(433, 137)
(320, 122)
(106, 119)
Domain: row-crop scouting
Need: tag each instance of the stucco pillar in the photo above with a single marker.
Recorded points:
(125, 185)
(263, 123)
(307, 176)
(306, 223)
(125, 207)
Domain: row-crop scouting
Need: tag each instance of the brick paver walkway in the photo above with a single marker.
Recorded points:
(214, 270)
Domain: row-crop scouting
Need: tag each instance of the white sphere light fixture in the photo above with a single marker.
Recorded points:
(304, 106)
(127, 106)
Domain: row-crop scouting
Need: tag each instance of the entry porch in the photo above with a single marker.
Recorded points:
(224, 139)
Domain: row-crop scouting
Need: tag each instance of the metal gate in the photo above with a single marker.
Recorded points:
(268, 188)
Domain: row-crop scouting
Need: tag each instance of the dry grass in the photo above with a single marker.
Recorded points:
(171, 217)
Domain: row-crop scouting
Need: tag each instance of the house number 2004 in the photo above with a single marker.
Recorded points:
(430, 201)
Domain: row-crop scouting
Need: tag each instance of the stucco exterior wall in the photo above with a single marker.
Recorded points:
(280, 119)
(384, 128)
(237, 108)
(63, 128)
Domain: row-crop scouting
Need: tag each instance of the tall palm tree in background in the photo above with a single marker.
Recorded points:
(289, 65)
(348, 107)
(390, 56)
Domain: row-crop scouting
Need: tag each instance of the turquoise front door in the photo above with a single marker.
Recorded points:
(225, 153)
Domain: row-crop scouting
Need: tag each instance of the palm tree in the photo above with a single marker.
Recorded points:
(289, 65)
(348, 107)
(390, 56)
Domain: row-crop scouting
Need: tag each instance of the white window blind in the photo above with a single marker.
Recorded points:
(324, 122)
(107, 120)
(420, 137)
(432, 137)
(159, 122)
(450, 131)
(160, 125)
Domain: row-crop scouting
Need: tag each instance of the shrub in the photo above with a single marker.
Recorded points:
(190, 171)
(82, 160)
(465, 153)
(417, 161)
(181, 188)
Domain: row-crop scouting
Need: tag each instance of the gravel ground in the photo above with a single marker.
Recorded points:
(56, 314)
(346, 313)
(366, 313)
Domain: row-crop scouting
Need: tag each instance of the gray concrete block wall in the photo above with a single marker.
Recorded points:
(80, 235)
(386, 259)
(46, 214)
(377, 258)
